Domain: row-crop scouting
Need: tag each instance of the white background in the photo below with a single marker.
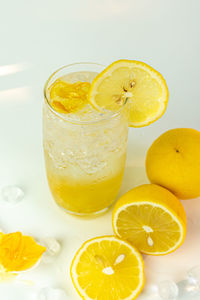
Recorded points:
(37, 37)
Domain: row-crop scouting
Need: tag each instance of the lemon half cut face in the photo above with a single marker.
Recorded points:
(151, 218)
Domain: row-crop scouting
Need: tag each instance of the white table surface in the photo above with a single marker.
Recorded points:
(37, 37)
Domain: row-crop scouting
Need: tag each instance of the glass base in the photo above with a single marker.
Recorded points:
(87, 215)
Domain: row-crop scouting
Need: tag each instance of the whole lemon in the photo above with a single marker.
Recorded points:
(173, 161)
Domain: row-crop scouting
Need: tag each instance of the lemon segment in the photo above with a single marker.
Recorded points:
(136, 82)
(69, 97)
(151, 218)
(108, 268)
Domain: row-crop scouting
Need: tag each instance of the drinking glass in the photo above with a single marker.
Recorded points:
(85, 151)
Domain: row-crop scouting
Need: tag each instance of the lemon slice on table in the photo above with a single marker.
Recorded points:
(107, 268)
(151, 218)
(135, 81)
(69, 97)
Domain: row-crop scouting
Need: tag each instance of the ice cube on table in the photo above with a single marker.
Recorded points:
(49, 293)
(53, 247)
(12, 194)
(193, 275)
(168, 290)
(151, 292)
(187, 289)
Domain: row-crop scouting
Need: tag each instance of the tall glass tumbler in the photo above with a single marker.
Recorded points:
(85, 151)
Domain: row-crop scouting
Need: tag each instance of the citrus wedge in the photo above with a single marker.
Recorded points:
(136, 82)
(68, 97)
(151, 218)
(107, 268)
(19, 252)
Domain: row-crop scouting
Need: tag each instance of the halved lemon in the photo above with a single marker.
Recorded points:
(151, 218)
(107, 268)
(136, 82)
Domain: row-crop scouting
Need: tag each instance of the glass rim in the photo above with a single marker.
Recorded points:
(72, 121)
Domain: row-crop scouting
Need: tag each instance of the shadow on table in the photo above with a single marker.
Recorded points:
(135, 173)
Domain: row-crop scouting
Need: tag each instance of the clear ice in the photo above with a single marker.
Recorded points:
(168, 290)
(53, 247)
(50, 293)
(12, 194)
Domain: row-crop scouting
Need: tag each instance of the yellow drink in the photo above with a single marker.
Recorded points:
(85, 151)
(84, 197)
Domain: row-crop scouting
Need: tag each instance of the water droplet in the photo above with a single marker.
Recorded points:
(50, 293)
(12, 194)
(150, 241)
(168, 290)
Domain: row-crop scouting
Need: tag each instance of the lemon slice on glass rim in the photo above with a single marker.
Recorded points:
(144, 88)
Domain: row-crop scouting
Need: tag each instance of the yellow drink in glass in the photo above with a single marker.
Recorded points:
(85, 151)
